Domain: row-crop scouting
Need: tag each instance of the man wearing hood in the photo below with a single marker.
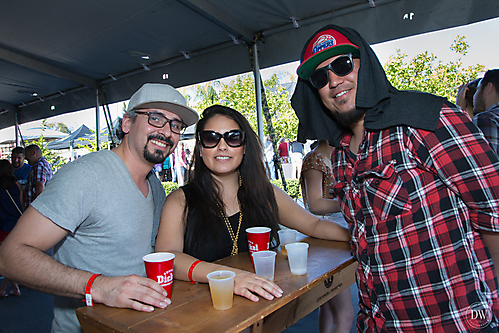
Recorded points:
(417, 183)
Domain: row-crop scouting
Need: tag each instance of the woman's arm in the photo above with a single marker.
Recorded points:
(171, 239)
(292, 215)
(21, 194)
(316, 202)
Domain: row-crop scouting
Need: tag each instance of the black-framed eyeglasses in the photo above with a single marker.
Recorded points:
(158, 120)
(233, 138)
(340, 66)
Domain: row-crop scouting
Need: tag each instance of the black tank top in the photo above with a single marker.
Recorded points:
(208, 247)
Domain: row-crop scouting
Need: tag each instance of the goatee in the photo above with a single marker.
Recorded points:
(158, 155)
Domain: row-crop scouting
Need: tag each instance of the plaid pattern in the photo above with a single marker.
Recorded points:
(415, 201)
(40, 172)
(488, 122)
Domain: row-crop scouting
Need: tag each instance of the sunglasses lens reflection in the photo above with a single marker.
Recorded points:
(210, 139)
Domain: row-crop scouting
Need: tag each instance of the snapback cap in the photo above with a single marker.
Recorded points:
(164, 97)
(323, 45)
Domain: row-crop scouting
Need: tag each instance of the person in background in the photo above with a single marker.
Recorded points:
(39, 175)
(11, 207)
(227, 192)
(464, 97)
(100, 213)
(417, 183)
(167, 169)
(21, 169)
(317, 186)
(283, 149)
(486, 108)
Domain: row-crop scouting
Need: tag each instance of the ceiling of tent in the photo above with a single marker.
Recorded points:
(64, 50)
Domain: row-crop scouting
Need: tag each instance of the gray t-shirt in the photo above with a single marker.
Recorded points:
(109, 222)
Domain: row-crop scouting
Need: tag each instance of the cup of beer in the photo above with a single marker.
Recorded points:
(286, 236)
(221, 288)
(159, 267)
(258, 239)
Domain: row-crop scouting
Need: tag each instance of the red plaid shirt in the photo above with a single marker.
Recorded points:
(415, 202)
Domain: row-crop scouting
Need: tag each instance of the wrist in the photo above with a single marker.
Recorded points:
(191, 271)
(88, 290)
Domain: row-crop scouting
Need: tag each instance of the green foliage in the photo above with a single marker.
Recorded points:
(169, 187)
(422, 74)
(294, 188)
(239, 94)
(92, 144)
(60, 126)
(53, 158)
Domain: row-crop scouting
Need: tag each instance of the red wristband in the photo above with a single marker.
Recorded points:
(192, 269)
(88, 296)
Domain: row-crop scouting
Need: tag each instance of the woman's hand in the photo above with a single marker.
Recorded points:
(245, 283)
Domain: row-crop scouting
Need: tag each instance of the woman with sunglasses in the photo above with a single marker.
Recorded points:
(227, 192)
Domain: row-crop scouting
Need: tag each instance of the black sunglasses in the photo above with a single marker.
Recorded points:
(340, 66)
(158, 120)
(233, 138)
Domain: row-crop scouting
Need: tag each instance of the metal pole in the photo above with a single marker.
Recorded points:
(17, 130)
(97, 122)
(258, 94)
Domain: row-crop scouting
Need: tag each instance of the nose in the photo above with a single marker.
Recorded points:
(334, 80)
(222, 145)
(165, 130)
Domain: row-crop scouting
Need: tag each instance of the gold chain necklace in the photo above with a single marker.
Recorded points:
(234, 238)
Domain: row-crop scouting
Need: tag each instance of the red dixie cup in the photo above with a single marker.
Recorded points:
(159, 267)
(258, 239)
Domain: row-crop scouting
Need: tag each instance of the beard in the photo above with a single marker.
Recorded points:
(346, 119)
(158, 155)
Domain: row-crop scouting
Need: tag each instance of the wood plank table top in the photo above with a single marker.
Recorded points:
(330, 269)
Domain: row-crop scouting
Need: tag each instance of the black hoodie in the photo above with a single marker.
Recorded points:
(385, 106)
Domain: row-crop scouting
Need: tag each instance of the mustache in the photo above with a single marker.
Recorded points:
(160, 137)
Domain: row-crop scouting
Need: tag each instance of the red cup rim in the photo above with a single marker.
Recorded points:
(258, 230)
(158, 257)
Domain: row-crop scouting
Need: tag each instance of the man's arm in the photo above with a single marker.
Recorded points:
(22, 260)
(39, 187)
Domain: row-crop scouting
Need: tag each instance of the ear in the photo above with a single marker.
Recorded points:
(126, 123)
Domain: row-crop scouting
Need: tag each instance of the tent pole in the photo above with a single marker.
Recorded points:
(17, 130)
(97, 121)
(258, 94)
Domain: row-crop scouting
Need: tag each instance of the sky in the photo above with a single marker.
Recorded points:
(482, 50)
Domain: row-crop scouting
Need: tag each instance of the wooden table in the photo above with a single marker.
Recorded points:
(330, 270)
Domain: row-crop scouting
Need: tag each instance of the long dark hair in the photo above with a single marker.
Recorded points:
(255, 195)
(7, 178)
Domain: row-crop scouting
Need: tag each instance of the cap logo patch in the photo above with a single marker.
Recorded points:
(323, 42)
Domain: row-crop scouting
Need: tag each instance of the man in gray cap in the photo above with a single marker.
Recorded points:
(101, 212)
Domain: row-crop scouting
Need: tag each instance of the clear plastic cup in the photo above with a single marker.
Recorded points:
(297, 257)
(264, 262)
(286, 236)
(221, 288)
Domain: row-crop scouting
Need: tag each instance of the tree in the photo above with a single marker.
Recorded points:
(239, 94)
(422, 74)
(60, 126)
